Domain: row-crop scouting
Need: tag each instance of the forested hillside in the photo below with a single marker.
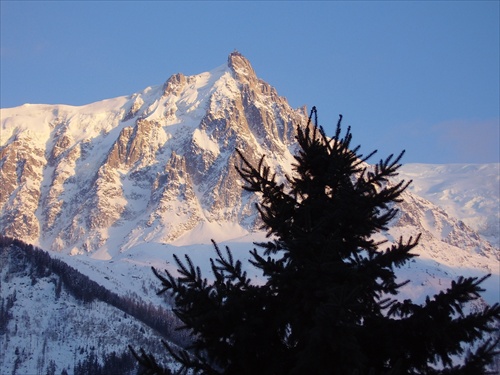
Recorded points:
(56, 320)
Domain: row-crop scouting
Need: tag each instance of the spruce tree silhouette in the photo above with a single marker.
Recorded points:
(328, 303)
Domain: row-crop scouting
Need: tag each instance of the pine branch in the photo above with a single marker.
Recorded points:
(148, 362)
(270, 267)
(168, 282)
(398, 254)
(233, 269)
(477, 361)
(438, 329)
(189, 362)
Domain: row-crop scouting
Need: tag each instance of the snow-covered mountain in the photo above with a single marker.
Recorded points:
(468, 192)
(114, 187)
(158, 166)
(149, 167)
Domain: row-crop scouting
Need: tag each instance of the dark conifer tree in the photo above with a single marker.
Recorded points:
(328, 306)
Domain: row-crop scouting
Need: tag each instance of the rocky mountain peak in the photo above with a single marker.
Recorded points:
(174, 84)
(241, 68)
(150, 167)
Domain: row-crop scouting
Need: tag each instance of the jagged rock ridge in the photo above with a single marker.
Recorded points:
(155, 164)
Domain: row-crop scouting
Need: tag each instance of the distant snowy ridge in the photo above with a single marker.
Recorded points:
(468, 192)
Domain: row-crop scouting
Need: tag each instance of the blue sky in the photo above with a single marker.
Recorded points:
(421, 76)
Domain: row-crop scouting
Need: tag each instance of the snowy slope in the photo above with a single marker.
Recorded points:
(468, 192)
(46, 326)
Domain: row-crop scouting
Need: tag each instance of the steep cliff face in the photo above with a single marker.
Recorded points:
(21, 165)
